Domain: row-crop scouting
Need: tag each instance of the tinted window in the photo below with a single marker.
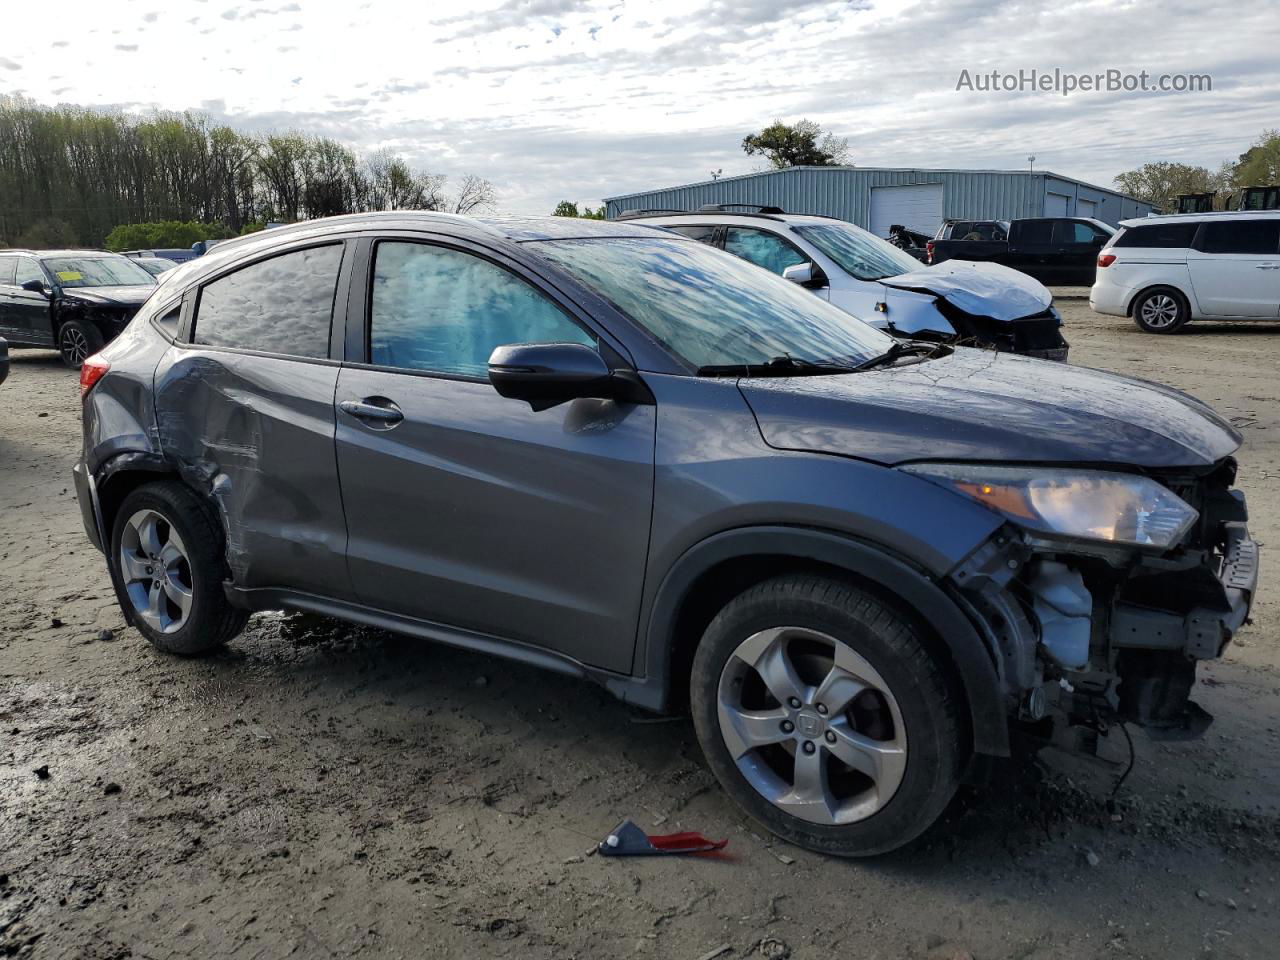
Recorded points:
(27, 269)
(282, 305)
(711, 309)
(762, 248)
(1259, 237)
(6, 270)
(700, 233)
(959, 229)
(445, 311)
(1159, 235)
(1035, 231)
(1069, 231)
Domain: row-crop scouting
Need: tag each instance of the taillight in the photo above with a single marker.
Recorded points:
(91, 372)
(928, 250)
(1106, 260)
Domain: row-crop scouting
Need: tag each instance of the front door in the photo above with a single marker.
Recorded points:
(1235, 268)
(470, 510)
(28, 314)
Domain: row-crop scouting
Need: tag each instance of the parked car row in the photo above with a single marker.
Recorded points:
(611, 450)
(1054, 250)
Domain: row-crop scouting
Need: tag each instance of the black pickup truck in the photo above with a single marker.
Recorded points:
(1054, 250)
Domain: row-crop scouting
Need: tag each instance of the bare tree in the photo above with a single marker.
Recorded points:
(475, 194)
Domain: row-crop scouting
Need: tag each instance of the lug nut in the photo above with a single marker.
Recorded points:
(822, 709)
(831, 737)
(809, 747)
(795, 703)
(787, 726)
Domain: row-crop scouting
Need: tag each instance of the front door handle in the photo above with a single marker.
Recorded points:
(376, 412)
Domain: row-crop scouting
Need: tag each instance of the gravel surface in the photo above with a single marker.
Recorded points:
(322, 790)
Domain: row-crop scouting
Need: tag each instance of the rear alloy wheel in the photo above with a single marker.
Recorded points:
(1160, 311)
(77, 341)
(167, 566)
(825, 716)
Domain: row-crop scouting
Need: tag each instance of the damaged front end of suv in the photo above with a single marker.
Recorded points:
(1105, 588)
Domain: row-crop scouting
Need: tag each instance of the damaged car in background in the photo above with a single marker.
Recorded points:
(73, 301)
(616, 453)
(974, 304)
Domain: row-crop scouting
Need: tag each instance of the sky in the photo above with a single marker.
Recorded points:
(585, 99)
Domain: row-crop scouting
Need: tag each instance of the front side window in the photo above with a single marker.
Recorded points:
(859, 253)
(444, 311)
(710, 309)
(1073, 232)
(1257, 237)
(762, 248)
(97, 272)
(27, 269)
(1158, 236)
(282, 305)
(694, 231)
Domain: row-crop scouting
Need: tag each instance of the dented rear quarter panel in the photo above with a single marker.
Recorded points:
(119, 413)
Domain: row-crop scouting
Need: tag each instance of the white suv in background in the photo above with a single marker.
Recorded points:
(1167, 271)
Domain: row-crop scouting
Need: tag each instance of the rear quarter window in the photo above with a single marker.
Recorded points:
(1163, 236)
(281, 305)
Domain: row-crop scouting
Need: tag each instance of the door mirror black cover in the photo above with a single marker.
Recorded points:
(35, 286)
(546, 374)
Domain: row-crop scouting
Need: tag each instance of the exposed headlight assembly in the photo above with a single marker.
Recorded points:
(1097, 505)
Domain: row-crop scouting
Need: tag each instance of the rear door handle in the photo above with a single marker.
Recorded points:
(376, 412)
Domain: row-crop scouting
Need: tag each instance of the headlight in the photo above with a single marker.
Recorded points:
(1086, 504)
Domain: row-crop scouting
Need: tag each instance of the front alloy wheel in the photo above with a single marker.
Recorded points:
(811, 725)
(826, 715)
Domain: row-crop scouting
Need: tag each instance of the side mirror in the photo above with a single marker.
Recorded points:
(805, 274)
(546, 374)
(35, 286)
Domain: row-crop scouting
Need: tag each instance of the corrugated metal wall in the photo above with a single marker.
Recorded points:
(845, 192)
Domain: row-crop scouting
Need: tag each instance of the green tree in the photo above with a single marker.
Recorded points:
(1259, 166)
(1161, 182)
(163, 234)
(565, 208)
(801, 144)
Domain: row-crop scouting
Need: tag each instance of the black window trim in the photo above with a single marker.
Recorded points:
(192, 295)
(360, 301)
(1197, 242)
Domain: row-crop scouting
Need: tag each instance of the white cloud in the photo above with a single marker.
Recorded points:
(580, 99)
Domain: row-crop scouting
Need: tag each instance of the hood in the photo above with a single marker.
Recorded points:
(979, 405)
(981, 289)
(131, 296)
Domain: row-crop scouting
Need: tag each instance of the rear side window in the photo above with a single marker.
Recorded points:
(282, 305)
(444, 311)
(1158, 235)
(764, 249)
(1035, 231)
(701, 233)
(1258, 237)
(6, 270)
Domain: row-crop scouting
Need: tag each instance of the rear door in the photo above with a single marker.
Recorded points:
(468, 509)
(1235, 267)
(245, 404)
(1032, 250)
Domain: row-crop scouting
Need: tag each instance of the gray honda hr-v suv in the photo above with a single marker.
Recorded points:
(621, 454)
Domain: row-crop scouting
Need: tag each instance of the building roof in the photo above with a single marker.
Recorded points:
(852, 169)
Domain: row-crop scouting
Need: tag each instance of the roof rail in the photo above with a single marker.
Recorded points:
(757, 207)
(647, 212)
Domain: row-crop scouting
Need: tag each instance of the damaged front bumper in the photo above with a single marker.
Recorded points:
(1115, 635)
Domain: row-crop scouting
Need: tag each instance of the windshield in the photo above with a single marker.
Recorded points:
(710, 308)
(858, 253)
(98, 272)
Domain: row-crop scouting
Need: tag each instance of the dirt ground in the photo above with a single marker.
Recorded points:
(320, 790)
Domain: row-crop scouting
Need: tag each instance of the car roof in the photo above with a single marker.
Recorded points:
(720, 216)
(1197, 217)
(41, 254)
(563, 228)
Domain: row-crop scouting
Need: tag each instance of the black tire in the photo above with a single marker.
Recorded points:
(78, 340)
(211, 620)
(926, 696)
(1152, 307)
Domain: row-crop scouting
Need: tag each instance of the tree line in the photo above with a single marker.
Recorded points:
(69, 175)
(1160, 182)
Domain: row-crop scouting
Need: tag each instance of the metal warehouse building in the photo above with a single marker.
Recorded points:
(878, 197)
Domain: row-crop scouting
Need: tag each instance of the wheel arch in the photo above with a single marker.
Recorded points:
(119, 476)
(1150, 288)
(720, 567)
